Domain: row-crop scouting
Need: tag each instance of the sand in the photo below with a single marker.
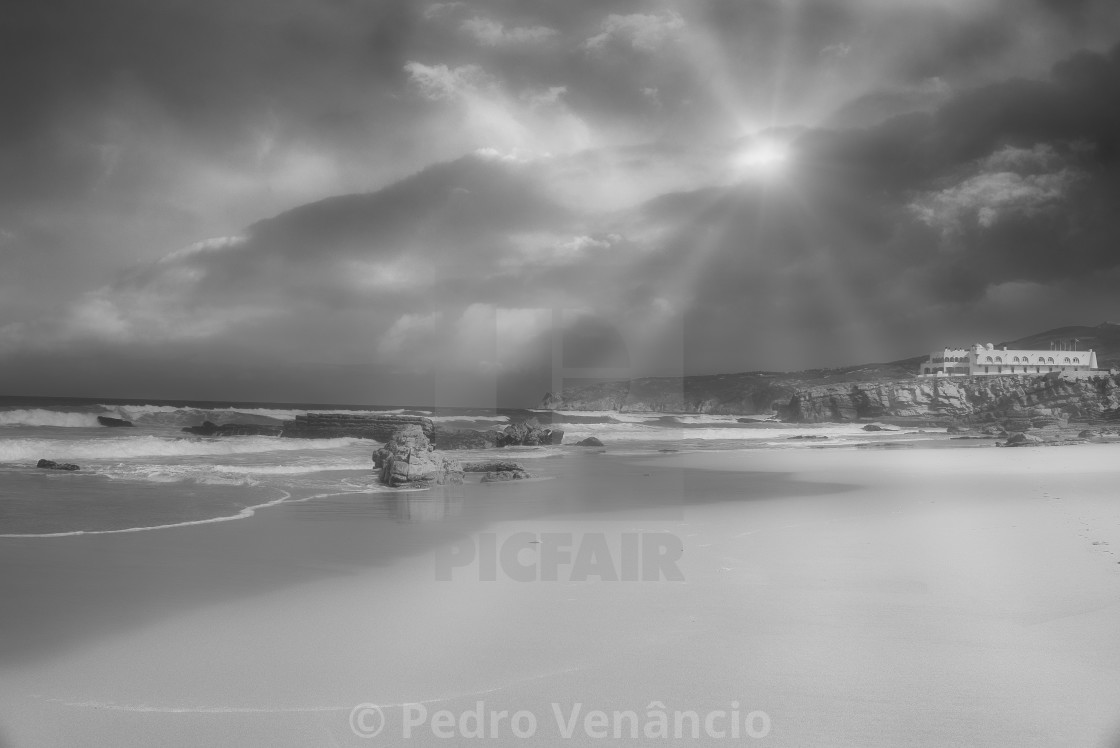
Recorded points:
(951, 597)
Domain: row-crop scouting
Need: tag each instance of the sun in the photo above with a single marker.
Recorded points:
(762, 158)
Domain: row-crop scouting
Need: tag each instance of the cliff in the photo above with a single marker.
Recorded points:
(766, 392)
(748, 393)
(971, 400)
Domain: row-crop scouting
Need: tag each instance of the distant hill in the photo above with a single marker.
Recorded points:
(765, 392)
(1104, 339)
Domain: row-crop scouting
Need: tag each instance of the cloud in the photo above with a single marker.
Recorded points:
(639, 31)
(601, 141)
(439, 82)
(490, 116)
(1010, 184)
(493, 33)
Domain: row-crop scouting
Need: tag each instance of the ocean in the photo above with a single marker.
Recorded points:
(154, 475)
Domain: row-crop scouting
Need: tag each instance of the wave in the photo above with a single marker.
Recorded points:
(174, 415)
(478, 419)
(659, 431)
(113, 448)
(42, 417)
(222, 475)
(244, 513)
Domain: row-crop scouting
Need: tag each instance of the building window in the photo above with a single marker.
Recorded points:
(999, 359)
(1065, 360)
(1077, 361)
(1050, 360)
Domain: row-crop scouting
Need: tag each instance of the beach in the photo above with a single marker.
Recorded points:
(854, 597)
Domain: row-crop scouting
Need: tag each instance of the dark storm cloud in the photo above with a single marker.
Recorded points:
(939, 173)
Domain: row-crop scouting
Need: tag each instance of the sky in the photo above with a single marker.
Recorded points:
(466, 202)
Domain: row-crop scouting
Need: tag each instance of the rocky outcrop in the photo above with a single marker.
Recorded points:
(589, 442)
(1022, 440)
(113, 422)
(530, 433)
(467, 439)
(408, 460)
(497, 470)
(527, 433)
(1016, 402)
(334, 425)
(52, 465)
(747, 393)
(490, 466)
(505, 475)
(208, 428)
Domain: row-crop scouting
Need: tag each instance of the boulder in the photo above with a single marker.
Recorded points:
(113, 422)
(491, 466)
(505, 475)
(52, 465)
(1022, 439)
(589, 442)
(408, 460)
(873, 427)
(529, 433)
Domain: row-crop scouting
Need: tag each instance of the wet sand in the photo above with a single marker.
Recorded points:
(859, 597)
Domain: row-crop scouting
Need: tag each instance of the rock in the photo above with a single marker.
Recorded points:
(505, 475)
(491, 466)
(1022, 440)
(589, 442)
(52, 465)
(1012, 425)
(529, 433)
(467, 439)
(408, 459)
(873, 427)
(807, 437)
(1087, 434)
(379, 427)
(982, 399)
(113, 422)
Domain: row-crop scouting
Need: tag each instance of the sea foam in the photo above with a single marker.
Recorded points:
(43, 417)
(114, 448)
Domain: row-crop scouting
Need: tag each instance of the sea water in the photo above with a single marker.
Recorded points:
(154, 475)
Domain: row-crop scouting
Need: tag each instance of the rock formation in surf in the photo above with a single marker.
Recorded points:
(52, 465)
(527, 433)
(408, 460)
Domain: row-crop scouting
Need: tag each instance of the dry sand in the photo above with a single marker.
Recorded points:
(951, 597)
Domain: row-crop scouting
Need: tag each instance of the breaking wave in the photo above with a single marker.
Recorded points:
(43, 417)
(113, 448)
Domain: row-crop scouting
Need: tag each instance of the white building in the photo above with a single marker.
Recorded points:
(987, 359)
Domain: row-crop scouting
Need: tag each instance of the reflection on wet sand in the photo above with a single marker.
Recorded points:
(429, 506)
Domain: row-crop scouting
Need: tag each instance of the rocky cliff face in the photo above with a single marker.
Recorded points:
(972, 400)
(748, 393)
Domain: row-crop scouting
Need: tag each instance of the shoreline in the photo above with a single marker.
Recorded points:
(836, 590)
